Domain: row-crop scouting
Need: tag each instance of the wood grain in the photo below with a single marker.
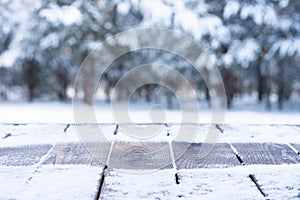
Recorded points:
(266, 153)
(22, 156)
(296, 146)
(203, 155)
(94, 154)
(149, 155)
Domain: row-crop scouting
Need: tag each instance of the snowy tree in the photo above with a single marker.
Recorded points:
(259, 31)
(254, 40)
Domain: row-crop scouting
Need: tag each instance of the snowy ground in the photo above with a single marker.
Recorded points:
(55, 112)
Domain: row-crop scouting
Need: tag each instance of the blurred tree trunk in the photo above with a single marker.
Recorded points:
(281, 84)
(63, 80)
(262, 79)
(259, 82)
(89, 84)
(31, 75)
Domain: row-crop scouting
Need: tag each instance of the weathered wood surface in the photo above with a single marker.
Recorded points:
(203, 155)
(193, 184)
(178, 169)
(254, 153)
(297, 147)
(22, 156)
(140, 156)
(94, 154)
(151, 155)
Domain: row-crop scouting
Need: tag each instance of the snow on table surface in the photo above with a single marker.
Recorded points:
(39, 134)
(49, 182)
(260, 133)
(238, 133)
(278, 182)
(33, 134)
(80, 182)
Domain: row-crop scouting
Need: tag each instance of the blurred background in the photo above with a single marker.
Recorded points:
(254, 43)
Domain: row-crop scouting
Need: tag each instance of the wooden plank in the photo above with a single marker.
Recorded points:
(296, 146)
(31, 134)
(217, 183)
(266, 153)
(62, 182)
(278, 181)
(142, 133)
(155, 185)
(22, 156)
(263, 133)
(203, 155)
(13, 179)
(192, 133)
(94, 154)
(92, 132)
(148, 155)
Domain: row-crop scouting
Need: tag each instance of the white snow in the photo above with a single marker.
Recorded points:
(9, 57)
(66, 14)
(192, 26)
(156, 13)
(51, 40)
(35, 134)
(38, 134)
(260, 133)
(246, 51)
(231, 8)
(141, 185)
(12, 180)
(123, 7)
(279, 182)
(80, 182)
(49, 182)
(199, 23)
(55, 112)
(233, 133)
(261, 13)
(17, 22)
(132, 133)
(287, 47)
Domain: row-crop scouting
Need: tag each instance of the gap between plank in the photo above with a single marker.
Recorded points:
(101, 182)
(173, 157)
(293, 148)
(251, 176)
(40, 163)
(219, 128)
(104, 170)
(254, 180)
(66, 128)
(173, 163)
(237, 154)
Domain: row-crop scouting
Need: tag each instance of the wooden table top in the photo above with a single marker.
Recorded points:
(178, 161)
